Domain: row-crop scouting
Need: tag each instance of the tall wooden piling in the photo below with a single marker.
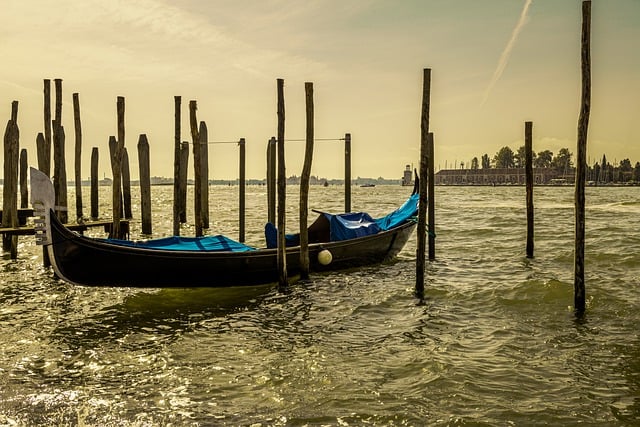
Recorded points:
(176, 164)
(242, 190)
(58, 101)
(583, 126)
(45, 166)
(197, 165)
(528, 172)
(204, 174)
(431, 198)
(116, 168)
(94, 183)
(282, 191)
(10, 187)
(271, 180)
(422, 206)
(24, 190)
(78, 154)
(126, 184)
(60, 172)
(347, 172)
(304, 183)
(145, 184)
(182, 182)
(43, 158)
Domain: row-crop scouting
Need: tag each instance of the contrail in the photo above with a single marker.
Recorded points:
(502, 62)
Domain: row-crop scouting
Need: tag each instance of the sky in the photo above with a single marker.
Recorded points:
(494, 65)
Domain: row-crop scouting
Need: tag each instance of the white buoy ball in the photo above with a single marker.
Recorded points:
(325, 257)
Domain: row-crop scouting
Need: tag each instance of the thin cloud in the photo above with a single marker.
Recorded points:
(504, 58)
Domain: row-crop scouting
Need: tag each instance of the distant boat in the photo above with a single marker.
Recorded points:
(325, 184)
(368, 185)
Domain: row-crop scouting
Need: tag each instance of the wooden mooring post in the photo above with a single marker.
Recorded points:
(242, 190)
(347, 172)
(176, 164)
(583, 126)
(203, 137)
(94, 183)
(304, 183)
(45, 166)
(10, 187)
(24, 189)
(78, 155)
(282, 193)
(271, 180)
(116, 167)
(528, 172)
(145, 184)
(422, 206)
(431, 198)
(60, 172)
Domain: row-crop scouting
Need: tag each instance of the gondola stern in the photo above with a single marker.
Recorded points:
(43, 201)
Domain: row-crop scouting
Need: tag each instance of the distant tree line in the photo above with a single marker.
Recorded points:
(603, 172)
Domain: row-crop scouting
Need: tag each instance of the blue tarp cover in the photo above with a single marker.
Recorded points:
(178, 243)
(351, 225)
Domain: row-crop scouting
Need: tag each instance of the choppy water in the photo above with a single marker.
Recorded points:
(496, 343)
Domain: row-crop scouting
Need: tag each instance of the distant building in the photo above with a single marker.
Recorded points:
(498, 176)
(407, 178)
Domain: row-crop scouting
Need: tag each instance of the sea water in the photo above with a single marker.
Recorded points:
(496, 342)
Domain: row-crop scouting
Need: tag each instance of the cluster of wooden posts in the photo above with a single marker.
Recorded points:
(13, 222)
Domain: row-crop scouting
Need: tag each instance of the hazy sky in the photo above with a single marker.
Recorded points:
(495, 64)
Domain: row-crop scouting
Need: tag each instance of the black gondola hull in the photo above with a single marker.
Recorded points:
(93, 262)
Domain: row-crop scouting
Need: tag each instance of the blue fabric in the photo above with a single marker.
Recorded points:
(177, 243)
(400, 215)
(271, 236)
(351, 225)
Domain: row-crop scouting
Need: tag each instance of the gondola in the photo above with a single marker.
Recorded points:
(213, 261)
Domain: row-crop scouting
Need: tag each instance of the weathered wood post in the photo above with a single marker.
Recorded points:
(24, 190)
(116, 167)
(113, 143)
(78, 154)
(182, 181)
(431, 198)
(583, 125)
(271, 180)
(528, 169)
(197, 166)
(46, 148)
(282, 193)
(242, 190)
(43, 159)
(126, 184)
(204, 173)
(347, 172)
(60, 172)
(304, 183)
(176, 165)
(145, 184)
(94, 183)
(422, 206)
(10, 187)
(58, 102)
(59, 158)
